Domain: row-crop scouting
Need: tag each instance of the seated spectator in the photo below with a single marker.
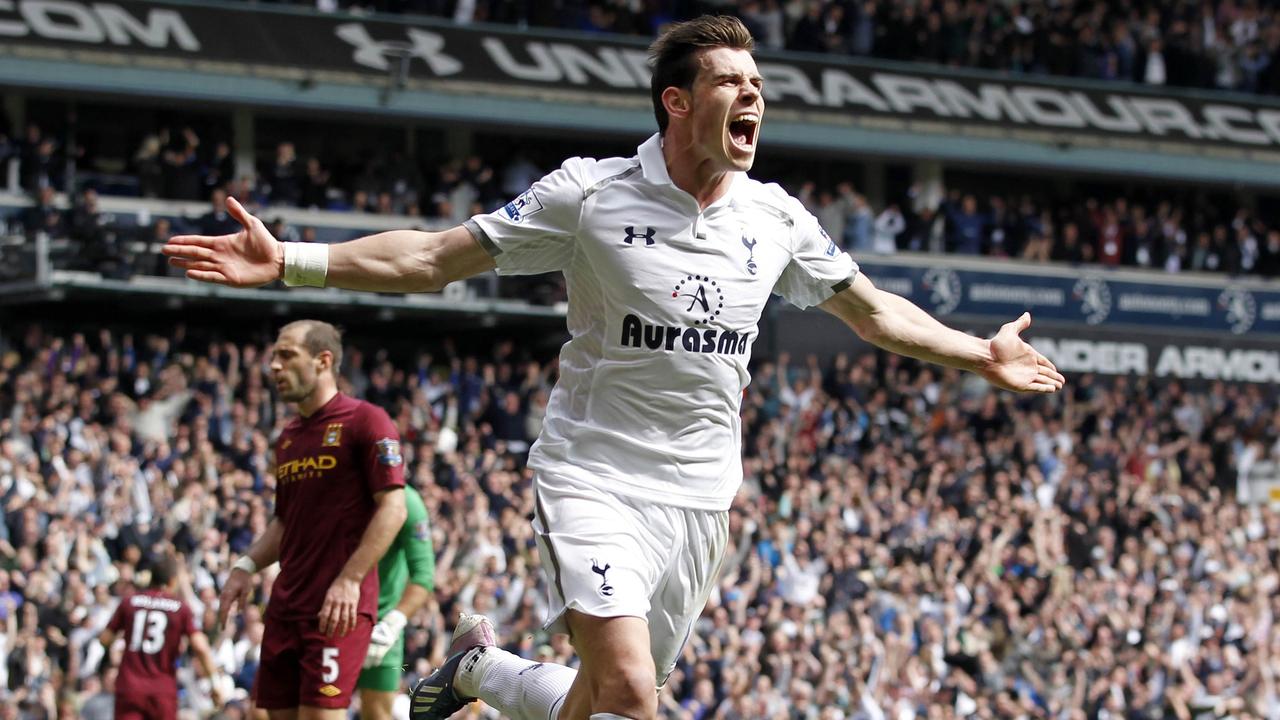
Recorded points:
(98, 246)
(966, 225)
(180, 167)
(315, 186)
(283, 177)
(217, 221)
(39, 165)
(147, 165)
(44, 216)
(220, 168)
(150, 260)
(889, 224)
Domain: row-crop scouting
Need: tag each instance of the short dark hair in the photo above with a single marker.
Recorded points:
(319, 336)
(163, 569)
(673, 56)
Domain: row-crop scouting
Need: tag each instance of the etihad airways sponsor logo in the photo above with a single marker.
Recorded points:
(305, 467)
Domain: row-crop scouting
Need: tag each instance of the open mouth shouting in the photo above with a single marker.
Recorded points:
(742, 131)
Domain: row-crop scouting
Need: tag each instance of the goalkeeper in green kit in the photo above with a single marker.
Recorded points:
(406, 575)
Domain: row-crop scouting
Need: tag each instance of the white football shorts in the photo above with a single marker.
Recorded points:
(608, 555)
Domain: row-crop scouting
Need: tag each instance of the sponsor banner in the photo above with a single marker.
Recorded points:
(1091, 299)
(1072, 348)
(1156, 358)
(242, 39)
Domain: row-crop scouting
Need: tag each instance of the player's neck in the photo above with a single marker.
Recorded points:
(693, 173)
(320, 397)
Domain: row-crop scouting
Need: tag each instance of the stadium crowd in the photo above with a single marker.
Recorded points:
(178, 165)
(1223, 44)
(908, 543)
(1168, 230)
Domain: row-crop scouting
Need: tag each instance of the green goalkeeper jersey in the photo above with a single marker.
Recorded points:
(410, 559)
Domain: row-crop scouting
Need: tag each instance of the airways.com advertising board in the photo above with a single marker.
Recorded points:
(1092, 299)
(1105, 323)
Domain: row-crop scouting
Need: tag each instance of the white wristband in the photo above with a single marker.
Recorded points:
(246, 564)
(305, 264)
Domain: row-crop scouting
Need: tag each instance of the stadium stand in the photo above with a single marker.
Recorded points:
(908, 543)
(1173, 231)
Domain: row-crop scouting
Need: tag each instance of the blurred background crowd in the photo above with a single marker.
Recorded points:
(908, 543)
(1164, 229)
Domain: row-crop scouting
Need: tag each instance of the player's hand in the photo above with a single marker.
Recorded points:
(385, 634)
(1017, 366)
(249, 258)
(235, 593)
(338, 613)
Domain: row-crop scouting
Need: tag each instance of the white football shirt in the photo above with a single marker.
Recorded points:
(664, 302)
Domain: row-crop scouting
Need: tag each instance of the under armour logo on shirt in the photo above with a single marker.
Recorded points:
(632, 235)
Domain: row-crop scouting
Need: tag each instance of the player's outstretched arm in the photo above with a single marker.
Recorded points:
(396, 261)
(896, 324)
(407, 261)
(338, 613)
(204, 657)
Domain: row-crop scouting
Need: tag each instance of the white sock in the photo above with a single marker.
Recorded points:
(606, 716)
(520, 689)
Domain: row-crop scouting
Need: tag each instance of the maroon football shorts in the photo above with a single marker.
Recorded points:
(147, 706)
(300, 666)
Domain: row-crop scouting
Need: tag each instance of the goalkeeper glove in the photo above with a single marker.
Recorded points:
(385, 634)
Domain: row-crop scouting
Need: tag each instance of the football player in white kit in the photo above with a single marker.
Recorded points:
(669, 258)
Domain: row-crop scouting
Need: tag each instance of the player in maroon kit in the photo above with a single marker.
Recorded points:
(339, 504)
(154, 623)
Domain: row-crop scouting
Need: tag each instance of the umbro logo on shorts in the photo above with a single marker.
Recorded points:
(330, 691)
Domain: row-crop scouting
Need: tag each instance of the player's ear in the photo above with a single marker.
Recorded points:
(677, 101)
(324, 360)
